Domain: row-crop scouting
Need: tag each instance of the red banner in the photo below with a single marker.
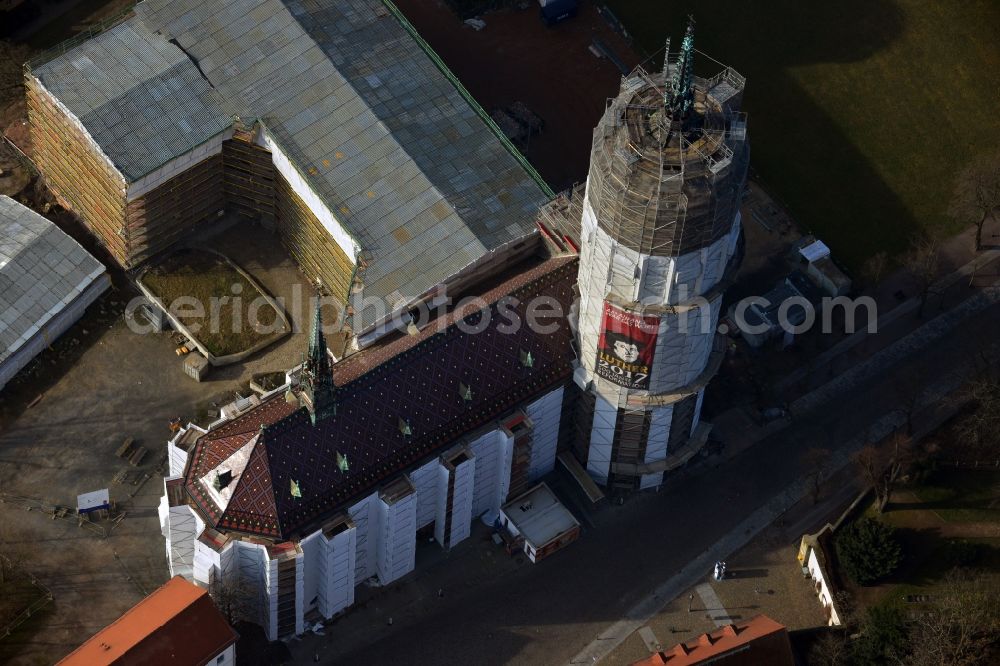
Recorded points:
(626, 347)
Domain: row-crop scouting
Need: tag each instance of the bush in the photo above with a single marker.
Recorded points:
(868, 551)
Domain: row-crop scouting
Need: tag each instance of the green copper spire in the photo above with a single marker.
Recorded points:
(318, 373)
(680, 96)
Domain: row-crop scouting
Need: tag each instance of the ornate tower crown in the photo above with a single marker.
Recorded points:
(679, 95)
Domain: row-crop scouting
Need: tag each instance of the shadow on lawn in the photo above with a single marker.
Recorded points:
(794, 141)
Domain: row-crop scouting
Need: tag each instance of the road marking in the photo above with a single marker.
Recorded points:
(713, 604)
(649, 638)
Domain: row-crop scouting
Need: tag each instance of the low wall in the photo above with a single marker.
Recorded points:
(228, 359)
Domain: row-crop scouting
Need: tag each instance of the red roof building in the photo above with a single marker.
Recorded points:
(414, 377)
(759, 640)
(177, 624)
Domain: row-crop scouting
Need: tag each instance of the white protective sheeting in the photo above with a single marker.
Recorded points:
(178, 165)
(601, 434)
(425, 479)
(492, 472)
(545, 414)
(656, 444)
(314, 566)
(397, 545)
(365, 516)
(337, 582)
(47, 280)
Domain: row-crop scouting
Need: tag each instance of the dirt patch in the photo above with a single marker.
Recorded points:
(215, 301)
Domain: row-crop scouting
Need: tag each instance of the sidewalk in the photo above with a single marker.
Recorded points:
(763, 577)
(740, 429)
(947, 293)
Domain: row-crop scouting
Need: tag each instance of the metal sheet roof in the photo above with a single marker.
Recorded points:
(372, 124)
(41, 271)
(539, 516)
(140, 97)
(815, 251)
(366, 115)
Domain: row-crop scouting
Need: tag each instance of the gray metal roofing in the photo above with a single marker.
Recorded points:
(139, 96)
(41, 271)
(371, 123)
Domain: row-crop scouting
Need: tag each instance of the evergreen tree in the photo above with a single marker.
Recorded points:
(868, 551)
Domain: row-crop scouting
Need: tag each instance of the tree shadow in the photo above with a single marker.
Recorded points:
(818, 170)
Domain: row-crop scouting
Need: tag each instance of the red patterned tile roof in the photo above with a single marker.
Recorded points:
(415, 378)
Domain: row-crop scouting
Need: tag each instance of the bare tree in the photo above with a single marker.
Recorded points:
(963, 625)
(910, 388)
(874, 268)
(881, 465)
(830, 649)
(978, 430)
(923, 261)
(815, 462)
(977, 193)
(847, 607)
(234, 596)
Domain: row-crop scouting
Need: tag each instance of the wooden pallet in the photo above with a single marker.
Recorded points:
(137, 456)
(125, 449)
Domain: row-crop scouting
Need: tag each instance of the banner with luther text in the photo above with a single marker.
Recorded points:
(626, 346)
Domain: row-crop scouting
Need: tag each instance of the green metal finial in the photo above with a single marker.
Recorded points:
(681, 94)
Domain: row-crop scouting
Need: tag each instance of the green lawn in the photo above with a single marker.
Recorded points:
(860, 112)
(962, 496)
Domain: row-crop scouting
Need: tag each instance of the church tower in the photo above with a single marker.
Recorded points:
(661, 240)
(317, 373)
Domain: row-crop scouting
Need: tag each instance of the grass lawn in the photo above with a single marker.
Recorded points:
(962, 496)
(225, 304)
(939, 523)
(860, 112)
